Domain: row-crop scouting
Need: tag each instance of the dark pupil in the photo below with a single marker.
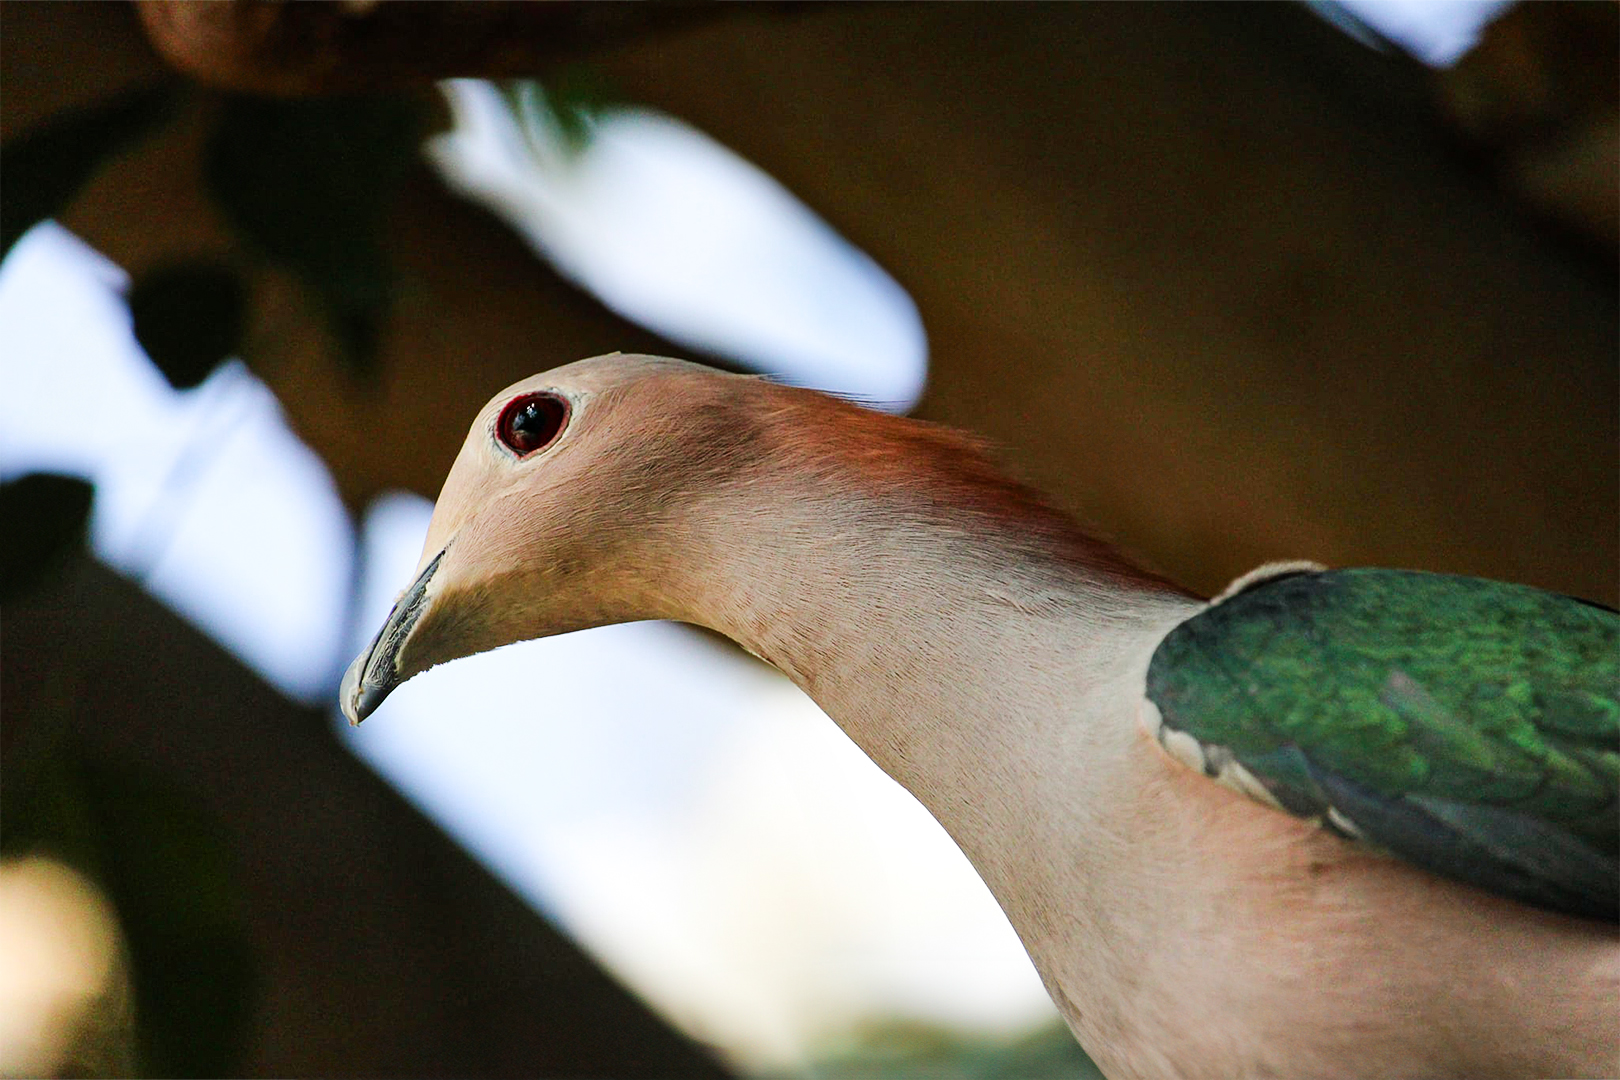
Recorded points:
(532, 424)
(529, 422)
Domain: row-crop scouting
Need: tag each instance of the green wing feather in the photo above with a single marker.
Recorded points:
(1470, 726)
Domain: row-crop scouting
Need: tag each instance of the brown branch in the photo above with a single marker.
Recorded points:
(295, 49)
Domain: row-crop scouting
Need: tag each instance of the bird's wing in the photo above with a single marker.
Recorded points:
(1468, 726)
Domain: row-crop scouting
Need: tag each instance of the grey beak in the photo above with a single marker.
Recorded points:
(375, 672)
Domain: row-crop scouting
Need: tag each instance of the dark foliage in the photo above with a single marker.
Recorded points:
(308, 185)
(42, 522)
(188, 317)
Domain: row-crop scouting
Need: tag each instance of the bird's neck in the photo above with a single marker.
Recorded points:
(969, 638)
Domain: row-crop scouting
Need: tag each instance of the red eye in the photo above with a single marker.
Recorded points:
(531, 422)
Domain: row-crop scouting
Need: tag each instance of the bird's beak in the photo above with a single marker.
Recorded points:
(375, 672)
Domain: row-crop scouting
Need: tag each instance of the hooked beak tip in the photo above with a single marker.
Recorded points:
(357, 698)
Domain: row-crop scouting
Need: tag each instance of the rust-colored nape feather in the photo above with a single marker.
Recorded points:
(947, 477)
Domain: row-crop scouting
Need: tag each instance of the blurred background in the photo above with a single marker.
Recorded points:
(1233, 282)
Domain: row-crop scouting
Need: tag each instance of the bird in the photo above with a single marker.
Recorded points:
(1330, 822)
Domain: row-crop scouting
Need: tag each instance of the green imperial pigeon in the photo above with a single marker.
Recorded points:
(1332, 823)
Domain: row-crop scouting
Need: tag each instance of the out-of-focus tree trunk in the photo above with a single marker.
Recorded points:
(1208, 270)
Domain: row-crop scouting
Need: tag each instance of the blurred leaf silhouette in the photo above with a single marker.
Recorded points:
(308, 185)
(188, 317)
(42, 522)
(166, 869)
(46, 165)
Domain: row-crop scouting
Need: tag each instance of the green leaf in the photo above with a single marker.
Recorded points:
(569, 103)
(42, 523)
(308, 185)
(46, 165)
(909, 1050)
(188, 317)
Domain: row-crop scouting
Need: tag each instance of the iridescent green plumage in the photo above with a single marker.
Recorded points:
(1470, 726)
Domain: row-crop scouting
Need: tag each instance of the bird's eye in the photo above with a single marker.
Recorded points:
(531, 422)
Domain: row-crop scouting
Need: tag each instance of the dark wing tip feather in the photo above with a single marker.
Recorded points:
(1505, 852)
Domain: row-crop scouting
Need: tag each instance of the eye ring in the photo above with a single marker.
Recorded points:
(532, 422)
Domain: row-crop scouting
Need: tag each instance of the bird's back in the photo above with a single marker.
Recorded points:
(1261, 944)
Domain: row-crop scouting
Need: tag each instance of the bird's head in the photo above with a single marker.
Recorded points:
(636, 487)
(568, 507)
